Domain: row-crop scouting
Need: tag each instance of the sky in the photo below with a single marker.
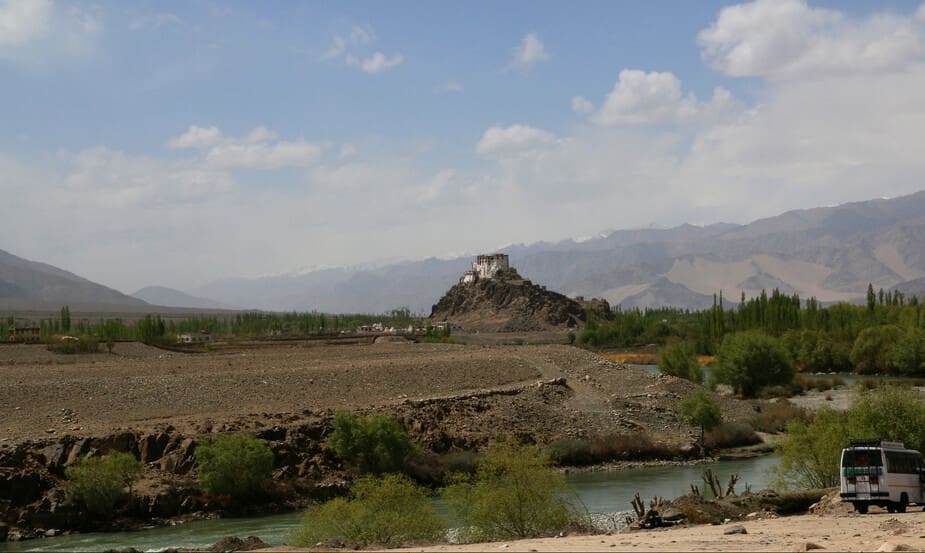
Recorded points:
(178, 143)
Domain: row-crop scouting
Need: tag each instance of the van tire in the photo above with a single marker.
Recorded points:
(861, 508)
(903, 502)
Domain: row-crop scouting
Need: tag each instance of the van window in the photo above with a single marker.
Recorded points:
(861, 458)
(903, 462)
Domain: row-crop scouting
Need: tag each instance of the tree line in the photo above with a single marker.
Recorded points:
(886, 335)
(154, 328)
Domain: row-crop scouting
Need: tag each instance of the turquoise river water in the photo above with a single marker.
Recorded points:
(600, 492)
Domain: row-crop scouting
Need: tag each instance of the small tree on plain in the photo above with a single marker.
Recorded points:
(679, 359)
(700, 409)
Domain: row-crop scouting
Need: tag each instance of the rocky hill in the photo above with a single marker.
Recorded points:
(507, 303)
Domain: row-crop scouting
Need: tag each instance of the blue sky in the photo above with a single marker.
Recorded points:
(176, 143)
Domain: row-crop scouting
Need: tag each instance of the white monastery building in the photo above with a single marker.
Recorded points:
(486, 266)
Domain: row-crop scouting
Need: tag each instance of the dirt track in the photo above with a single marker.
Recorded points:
(140, 387)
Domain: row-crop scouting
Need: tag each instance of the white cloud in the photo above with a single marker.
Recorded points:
(347, 150)
(449, 86)
(920, 14)
(348, 48)
(359, 36)
(499, 142)
(377, 63)
(260, 149)
(528, 53)
(641, 98)
(196, 137)
(787, 39)
(39, 31)
(156, 22)
(23, 20)
(582, 105)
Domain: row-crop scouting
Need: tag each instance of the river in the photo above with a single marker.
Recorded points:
(600, 492)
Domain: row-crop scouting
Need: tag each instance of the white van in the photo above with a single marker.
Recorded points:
(886, 474)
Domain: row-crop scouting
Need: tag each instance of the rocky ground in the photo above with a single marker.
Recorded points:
(160, 404)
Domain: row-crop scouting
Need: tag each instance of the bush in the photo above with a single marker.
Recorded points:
(731, 434)
(871, 353)
(234, 465)
(680, 359)
(908, 355)
(890, 413)
(810, 453)
(389, 512)
(431, 469)
(71, 346)
(515, 493)
(748, 361)
(700, 409)
(775, 416)
(376, 444)
(577, 452)
(100, 482)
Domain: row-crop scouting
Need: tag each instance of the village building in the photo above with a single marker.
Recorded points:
(26, 334)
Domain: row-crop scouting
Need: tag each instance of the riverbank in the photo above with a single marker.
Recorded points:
(832, 532)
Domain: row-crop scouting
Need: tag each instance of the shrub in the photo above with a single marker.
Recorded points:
(100, 482)
(577, 452)
(515, 493)
(70, 346)
(680, 359)
(234, 465)
(731, 434)
(890, 413)
(700, 409)
(375, 444)
(775, 416)
(431, 469)
(389, 511)
(871, 352)
(908, 355)
(748, 361)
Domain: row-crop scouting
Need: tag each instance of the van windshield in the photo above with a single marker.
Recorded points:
(862, 458)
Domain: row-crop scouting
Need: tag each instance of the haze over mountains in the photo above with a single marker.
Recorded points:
(831, 253)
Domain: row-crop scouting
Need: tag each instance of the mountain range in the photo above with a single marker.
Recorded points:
(830, 253)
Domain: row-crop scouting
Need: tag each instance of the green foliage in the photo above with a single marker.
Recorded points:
(150, 329)
(748, 361)
(810, 452)
(871, 351)
(889, 413)
(100, 482)
(436, 335)
(234, 465)
(680, 359)
(700, 409)
(908, 354)
(374, 444)
(601, 449)
(70, 346)
(515, 493)
(389, 512)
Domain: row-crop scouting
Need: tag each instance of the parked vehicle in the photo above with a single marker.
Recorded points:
(882, 473)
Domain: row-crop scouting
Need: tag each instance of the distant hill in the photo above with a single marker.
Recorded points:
(161, 295)
(831, 253)
(24, 280)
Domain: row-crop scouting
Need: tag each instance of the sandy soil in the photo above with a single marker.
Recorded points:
(47, 394)
(877, 531)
